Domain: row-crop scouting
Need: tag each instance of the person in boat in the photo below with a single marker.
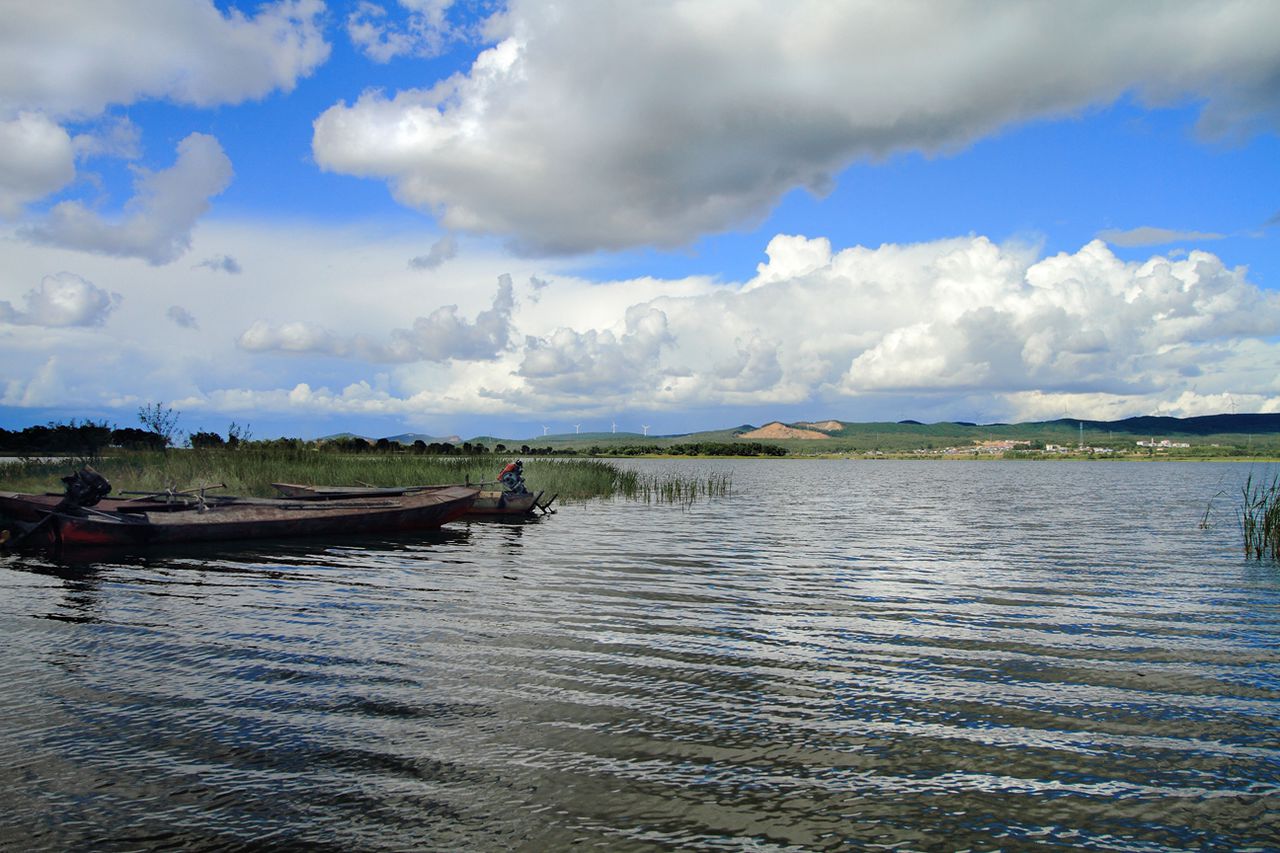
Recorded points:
(512, 478)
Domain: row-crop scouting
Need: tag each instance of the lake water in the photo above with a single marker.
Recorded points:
(839, 655)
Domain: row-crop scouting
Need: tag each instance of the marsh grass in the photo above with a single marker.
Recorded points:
(675, 489)
(1260, 517)
(251, 473)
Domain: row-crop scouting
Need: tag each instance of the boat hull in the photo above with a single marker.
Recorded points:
(500, 503)
(260, 519)
(490, 502)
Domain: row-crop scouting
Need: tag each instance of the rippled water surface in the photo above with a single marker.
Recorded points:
(840, 655)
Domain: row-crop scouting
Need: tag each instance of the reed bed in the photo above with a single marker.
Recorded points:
(676, 489)
(1260, 517)
(251, 472)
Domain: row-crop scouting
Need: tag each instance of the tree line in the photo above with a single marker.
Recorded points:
(79, 438)
(89, 438)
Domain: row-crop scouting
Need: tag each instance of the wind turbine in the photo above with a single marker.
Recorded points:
(577, 428)
(544, 429)
(615, 426)
(645, 427)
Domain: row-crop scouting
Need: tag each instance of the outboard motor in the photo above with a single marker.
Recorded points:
(512, 478)
(84, 488)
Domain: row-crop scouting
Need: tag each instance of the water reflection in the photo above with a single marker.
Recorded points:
(835, 657)
(80, 589)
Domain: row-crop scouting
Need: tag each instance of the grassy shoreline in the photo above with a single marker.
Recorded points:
(251, 472)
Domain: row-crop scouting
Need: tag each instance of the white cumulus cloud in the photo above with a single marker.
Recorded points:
(954, 320)
(74, 58)
(45, 387)
(441, 250)
(158, 219)
(440, 336)
(36, 158)
(598, 361)
(63, 299)
(962, 328)
(424, 32)
(115, 136)
(603, 125)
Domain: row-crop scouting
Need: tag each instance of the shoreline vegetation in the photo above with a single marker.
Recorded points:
(1245, 437)
(249, 472)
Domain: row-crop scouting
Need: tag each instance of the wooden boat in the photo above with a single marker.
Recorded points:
(500, 503)
(27, 507)
(300, 492)
(244, 518)
(490, 502)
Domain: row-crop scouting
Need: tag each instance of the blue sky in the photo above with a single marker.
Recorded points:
(417, 216)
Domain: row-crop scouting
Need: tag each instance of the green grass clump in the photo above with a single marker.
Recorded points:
(1260, 517)
(677, 489)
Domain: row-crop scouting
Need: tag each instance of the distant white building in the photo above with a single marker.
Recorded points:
(1163, 443)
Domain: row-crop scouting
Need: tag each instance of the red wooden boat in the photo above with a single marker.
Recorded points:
(107, 523)
(490, 502)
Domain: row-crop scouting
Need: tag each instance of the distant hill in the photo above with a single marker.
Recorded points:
(406, 438)
(779, 430)
(1141, 426)
(410, 437)
(1202, 425)
(821, 426)
(836, 436)
(561, 439)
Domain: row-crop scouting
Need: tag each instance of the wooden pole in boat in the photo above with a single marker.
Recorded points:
(169, 493)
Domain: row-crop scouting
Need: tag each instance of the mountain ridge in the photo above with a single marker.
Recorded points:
(818, 431)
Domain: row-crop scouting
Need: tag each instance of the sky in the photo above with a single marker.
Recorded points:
(527, 218)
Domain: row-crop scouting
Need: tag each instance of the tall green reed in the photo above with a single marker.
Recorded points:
(251, 472)
(678, 489)
(1259, 516)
